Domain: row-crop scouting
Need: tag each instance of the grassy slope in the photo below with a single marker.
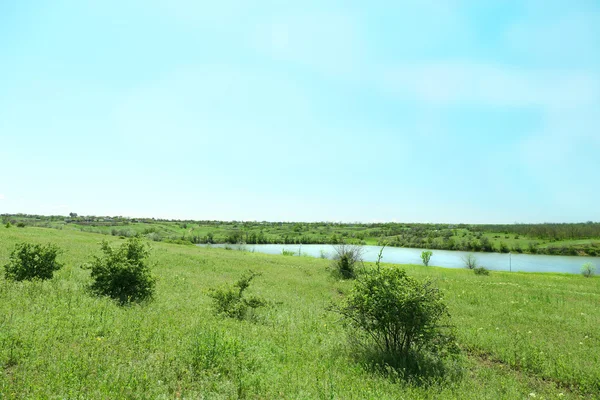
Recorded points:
(522, 333)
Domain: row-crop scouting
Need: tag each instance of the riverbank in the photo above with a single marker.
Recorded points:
(573, 239)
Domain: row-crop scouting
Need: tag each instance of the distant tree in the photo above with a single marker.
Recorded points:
(426, 256)
(72, 215)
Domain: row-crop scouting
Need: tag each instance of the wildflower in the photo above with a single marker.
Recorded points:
(532, 394)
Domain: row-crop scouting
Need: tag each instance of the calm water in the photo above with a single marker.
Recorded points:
(443, 258)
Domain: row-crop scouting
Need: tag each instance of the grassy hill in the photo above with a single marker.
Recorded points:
(522, 335)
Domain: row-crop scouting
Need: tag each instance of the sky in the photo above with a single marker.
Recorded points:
(407, 111)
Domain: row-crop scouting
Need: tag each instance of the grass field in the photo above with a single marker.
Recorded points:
(522, 335)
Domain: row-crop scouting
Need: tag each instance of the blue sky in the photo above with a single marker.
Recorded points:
(424, 111)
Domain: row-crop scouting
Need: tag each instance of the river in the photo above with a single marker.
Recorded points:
(440, 258)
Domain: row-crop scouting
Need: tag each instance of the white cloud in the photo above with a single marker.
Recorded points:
(330, 43)
(460, 83)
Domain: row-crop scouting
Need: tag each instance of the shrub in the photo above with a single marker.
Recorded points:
(345, 259)
(287, 252)
(123, 274)
(426, 257)
(470, 261)
(503, 248)
(230, 301)
(398, 314)
(588, 269)
(32, 261)
(481, 271)
(21, 225)
(8, 225)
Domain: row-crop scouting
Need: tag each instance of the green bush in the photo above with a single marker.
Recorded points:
(345, 260)
(123, 273)
(287, 252)
(230, 301)
(20, 225)
(426, 257)
(32, 261)
(401, 316)
(481, 271)
(588, 269)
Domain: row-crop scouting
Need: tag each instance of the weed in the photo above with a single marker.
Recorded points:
(230, 301)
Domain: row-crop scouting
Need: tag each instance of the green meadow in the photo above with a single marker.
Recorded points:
(521, 335)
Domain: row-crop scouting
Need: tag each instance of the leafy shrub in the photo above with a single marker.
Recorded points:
(8, 225)
(32, 261)
(287, 252)
(230, 301)
(426, 257)
(588, 269)
(470, 261)
(123, 273)
(503, 248)
(533, 247)
(345, 260)
(401, 316)
(21, 225)
(481, 271)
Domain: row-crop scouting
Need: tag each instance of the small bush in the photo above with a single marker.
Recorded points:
(123, 274)
(346, 259)
(32, 261)
(287, 252)
(588, 269)
(481, 271)
(470, 261)
(230, 301)
(21, 225)
(8, 225)
(401, 316)
(426, 257)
